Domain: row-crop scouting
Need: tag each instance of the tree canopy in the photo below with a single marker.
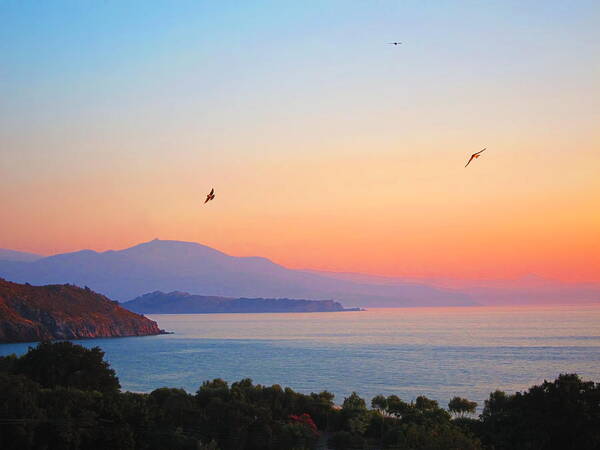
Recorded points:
(67, 365)
(61, 395)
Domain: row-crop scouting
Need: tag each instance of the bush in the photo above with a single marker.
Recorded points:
(344, 440)
(53, 364)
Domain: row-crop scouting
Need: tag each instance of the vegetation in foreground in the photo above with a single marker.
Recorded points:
(64, 396)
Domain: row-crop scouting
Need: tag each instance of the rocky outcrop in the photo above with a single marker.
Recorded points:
(183, 303)
(35, 313)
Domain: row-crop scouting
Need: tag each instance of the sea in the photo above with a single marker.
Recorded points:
(437, 352)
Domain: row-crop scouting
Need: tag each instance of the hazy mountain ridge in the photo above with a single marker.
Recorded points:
(184, 303)
(527, 289)
(184, 266)
(14, 255)
(34, 313)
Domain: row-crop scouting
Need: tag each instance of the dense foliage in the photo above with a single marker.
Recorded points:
(63, 396)
(563, 414)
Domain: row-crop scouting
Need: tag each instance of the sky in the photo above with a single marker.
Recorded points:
(328, 148)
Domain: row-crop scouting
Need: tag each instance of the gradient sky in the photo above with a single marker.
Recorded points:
(328, 148)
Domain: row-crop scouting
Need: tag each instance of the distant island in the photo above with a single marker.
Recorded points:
(36, 313)
(184, 303)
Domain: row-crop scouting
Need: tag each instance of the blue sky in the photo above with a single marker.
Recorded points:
(118, 110)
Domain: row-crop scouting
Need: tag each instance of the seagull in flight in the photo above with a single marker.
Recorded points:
(394, 43)
(210, 196)
(474, 156)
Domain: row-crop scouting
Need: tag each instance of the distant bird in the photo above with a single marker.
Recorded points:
(210, 196)
(474, 156)
(394, 43)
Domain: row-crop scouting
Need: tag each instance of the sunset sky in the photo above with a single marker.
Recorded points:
(328, 148)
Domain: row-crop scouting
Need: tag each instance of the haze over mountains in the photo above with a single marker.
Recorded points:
(525, 290)
(13, 255)
(167, 266)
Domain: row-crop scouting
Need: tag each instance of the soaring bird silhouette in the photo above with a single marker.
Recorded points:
(474, 156)
(394, 43)
(210, 196)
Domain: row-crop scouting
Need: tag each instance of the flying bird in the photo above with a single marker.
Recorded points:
(474, 156)
(394, 43)
(210, 196)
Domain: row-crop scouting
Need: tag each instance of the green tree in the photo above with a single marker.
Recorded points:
(355, 414)
(53, 364)
(396, 406)
(20, 412)
(210, 389)
(295, 435)
(461, 406)
(380, 403)
(176, 406)
(563, 414)
(423, 403)
(320, 408)
(354, 404)
(344, 440)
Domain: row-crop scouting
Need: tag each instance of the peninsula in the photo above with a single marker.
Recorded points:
(176, 302)
(36, 313)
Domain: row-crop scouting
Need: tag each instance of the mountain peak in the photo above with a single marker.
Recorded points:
(169, 265)
(166, 246)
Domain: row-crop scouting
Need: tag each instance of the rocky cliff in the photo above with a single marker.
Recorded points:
(35, 313)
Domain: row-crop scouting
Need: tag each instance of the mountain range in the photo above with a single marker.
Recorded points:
(528, 289)
(13, 255)
(162, 265)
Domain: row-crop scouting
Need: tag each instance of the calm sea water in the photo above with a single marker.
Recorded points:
(438, 352)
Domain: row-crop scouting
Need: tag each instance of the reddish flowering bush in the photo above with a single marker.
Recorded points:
(305, 419)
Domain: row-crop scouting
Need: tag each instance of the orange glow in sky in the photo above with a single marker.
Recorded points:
(334, 158)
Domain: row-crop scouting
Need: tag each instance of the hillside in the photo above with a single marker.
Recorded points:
(183, 303)
(35, 313)
(185, 266)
